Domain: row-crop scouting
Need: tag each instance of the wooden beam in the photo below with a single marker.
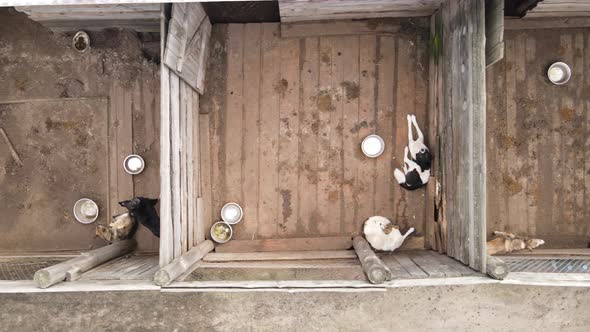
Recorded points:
(170, 272)
(496, 268)
(377, 272)
(295, 244)
(352, 27)
(546, 23)
(494, 28)
(273, 256)
(86, 261)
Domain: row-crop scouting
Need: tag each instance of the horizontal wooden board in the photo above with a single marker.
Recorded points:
(297, 244)
(350, 27)
(272, 256)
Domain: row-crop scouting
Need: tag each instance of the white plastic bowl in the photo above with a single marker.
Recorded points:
(232, 213)
(559, 73)
(85, 211)
(373, 146)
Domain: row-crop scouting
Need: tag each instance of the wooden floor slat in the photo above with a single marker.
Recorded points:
(125, 268)
(285, 141)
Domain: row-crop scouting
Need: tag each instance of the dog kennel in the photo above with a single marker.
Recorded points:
(265, 104)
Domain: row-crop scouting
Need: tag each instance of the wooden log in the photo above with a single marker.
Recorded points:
(295, 244)
(86, 261)
(11, 148)
(377, 272)
(496, 268)
(170, 272)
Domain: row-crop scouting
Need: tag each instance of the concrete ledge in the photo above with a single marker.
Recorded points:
(29, 286)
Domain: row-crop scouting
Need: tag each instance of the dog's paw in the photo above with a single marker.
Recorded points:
(409, 117)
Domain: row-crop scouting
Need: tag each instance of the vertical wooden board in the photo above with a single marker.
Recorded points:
(205, 176)
(251, 132)
(175, 161)
(325, 104)
(349, 83)
(586, 119)
(420, 211)
(579, 95)
(234, 115)
(192, 119)
(335, 152)
(184, 104)
(166, 229)
(386, 48)
(532, 145)
(203, 55)
(366, 125)
(308, 129)
(288, 90)
(269, 136)
(407, 205)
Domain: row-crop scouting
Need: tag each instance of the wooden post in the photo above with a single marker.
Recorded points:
(496, 268)
(377, 272)
(86, 261)
(170, 272)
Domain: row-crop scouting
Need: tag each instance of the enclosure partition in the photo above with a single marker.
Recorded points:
(458, 93)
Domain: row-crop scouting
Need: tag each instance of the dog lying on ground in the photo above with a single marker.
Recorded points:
(416, 169)
(508, 242)
(383, 235)
(123, 227)
(144, 212)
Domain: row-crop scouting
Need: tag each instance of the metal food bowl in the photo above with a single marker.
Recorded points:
(85, 211)
(133, 164)
(215, 232)
(373, 146)
(81, 41)
(559, 73)
(232, 213)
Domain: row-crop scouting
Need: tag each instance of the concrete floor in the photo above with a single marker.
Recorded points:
(458, 308)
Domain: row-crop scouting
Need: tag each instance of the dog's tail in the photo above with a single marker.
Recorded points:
(400, 177)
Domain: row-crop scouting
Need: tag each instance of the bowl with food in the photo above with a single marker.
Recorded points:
(221, 232)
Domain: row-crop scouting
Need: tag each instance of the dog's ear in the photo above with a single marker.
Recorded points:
(124, 203)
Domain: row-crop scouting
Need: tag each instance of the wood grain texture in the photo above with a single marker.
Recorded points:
(540, 127)
(293, 244)
(350, 27)
(313, 10)
(280, 256)
(288, 127)
(462, 130)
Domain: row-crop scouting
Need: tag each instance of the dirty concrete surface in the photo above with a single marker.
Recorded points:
(56, 107)
(454, 308)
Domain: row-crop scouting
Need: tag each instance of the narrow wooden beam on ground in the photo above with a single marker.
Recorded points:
(170, 272)
(496, 268)
(277, 256)
(296, 244)
(86, 261)
(377, 272)
(11, 148)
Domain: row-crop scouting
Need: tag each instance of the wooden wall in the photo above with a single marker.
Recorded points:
(537, 133)
(287, 116)
(461, 129)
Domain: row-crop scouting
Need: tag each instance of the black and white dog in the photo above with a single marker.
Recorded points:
(144, 212)
(416, 169)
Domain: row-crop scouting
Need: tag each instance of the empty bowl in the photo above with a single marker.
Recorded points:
(559, 73)
(85, 211)
(221, 232)
(373, 146)
(133, 164)
(231, 213)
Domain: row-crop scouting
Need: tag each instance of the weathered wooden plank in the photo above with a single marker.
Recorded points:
(349, 27)
(288, 90)
(308, 129)
(294, 244)
(404, 260)
(494, 28)
(397, 270)
(205, 175)
(546, 23)
(196, 229)
(280, 256)
(386, 58)
(205, 38)
(367, 111)
(184, 216)
(166, 228)
(432, 265)
(234, 115)
(251, 132)
(269, 137)
(175, 162)
(349, 84)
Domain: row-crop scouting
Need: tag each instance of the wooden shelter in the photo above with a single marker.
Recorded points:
(270, 115)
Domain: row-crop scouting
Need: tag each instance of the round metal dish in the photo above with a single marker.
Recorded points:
(232, 213)
(133, 164)
(215, 237)
(559, 73)
(373, 146)
(85, 211)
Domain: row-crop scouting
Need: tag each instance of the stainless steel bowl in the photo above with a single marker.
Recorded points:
(215, 237)
(559, 73)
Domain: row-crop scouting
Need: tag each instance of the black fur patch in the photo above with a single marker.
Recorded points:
(413, 181)
(144, 212)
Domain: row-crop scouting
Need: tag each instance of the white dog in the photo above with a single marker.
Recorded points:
(416, 169)
(383, 235)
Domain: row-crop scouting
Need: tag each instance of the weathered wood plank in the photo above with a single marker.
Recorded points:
(269, 138)
(166, 228)
(175, 100)
(280, 256)
(294, 244)
(205, 175)
(404, 260)
(350, 27)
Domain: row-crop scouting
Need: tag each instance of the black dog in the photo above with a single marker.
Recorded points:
(144, 212)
